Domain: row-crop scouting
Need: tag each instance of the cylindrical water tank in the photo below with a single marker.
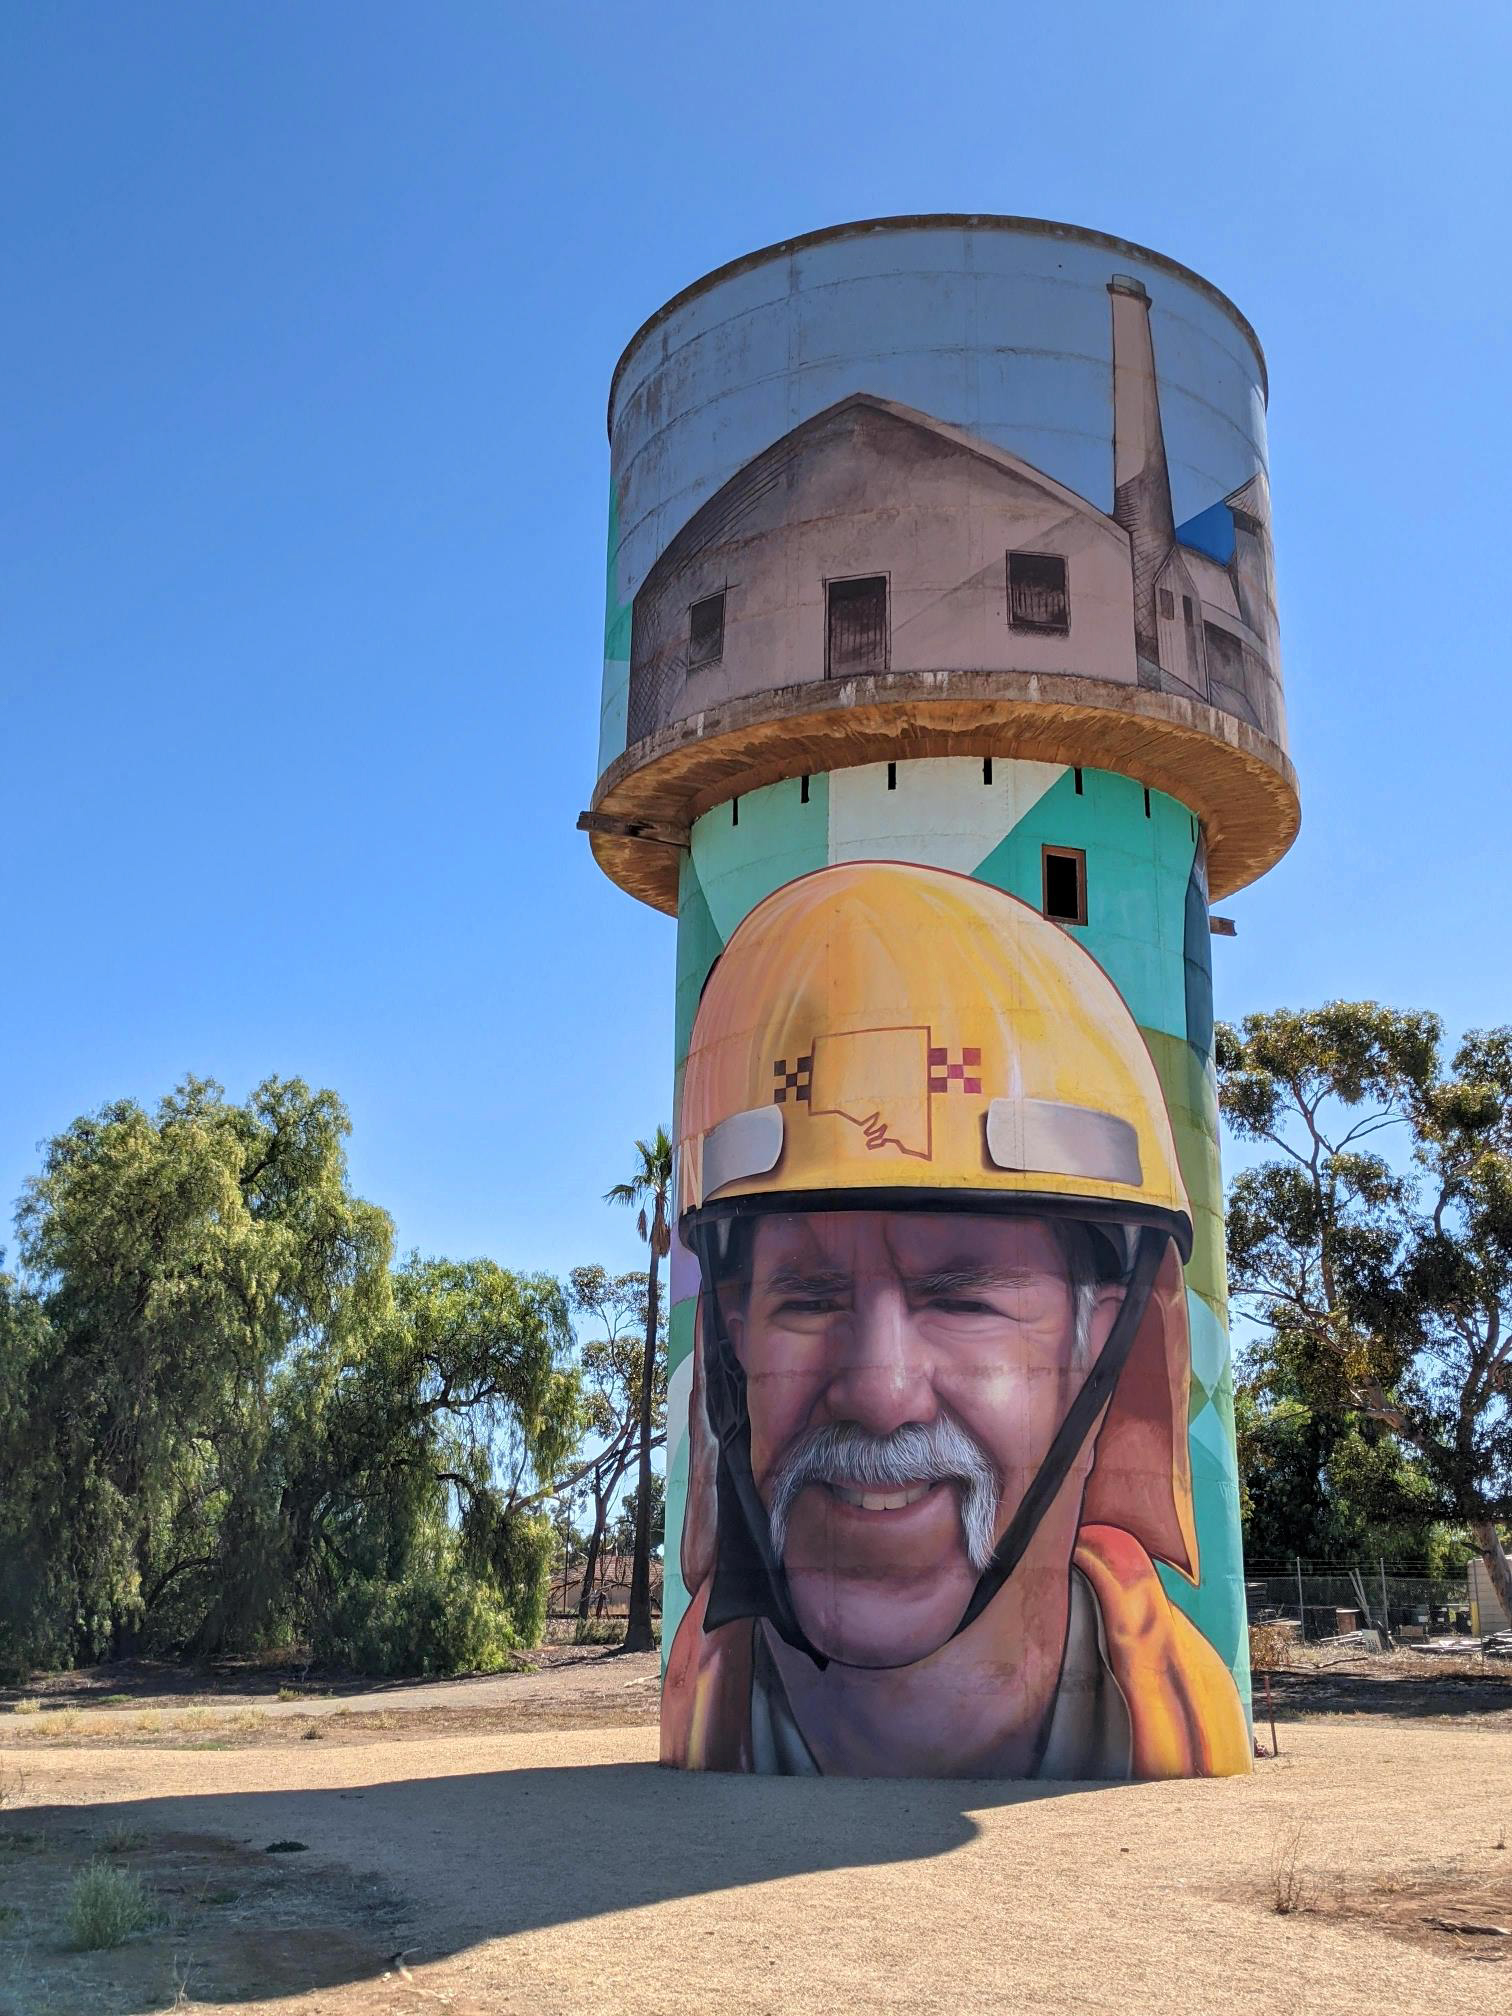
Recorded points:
(942, 687)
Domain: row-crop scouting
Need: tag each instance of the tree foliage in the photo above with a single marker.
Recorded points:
(612, 1357)
(1326, 1483)
(226, 1421)
(1383, 1284)
(646, 1192)
(622, 1533)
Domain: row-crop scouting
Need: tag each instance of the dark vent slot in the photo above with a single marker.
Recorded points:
(1065, 884)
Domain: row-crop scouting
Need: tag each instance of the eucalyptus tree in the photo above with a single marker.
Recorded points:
(612, 1360)
(1382, 1282)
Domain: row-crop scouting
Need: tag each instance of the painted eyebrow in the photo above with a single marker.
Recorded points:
(806, 1281)
(951, 1279)
(954, 1278)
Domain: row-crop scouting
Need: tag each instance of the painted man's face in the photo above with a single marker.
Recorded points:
(906, 1372)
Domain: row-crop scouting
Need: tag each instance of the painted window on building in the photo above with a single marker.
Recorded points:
(706, 620)
(856, 632)
(1038, 595)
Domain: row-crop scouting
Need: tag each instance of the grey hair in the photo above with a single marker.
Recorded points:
(1096, 1259)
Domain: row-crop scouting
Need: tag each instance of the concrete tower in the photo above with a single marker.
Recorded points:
(941, 693)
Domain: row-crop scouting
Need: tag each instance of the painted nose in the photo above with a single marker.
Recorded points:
(881, 1379)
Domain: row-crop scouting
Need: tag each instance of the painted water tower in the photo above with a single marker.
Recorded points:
(942, 695)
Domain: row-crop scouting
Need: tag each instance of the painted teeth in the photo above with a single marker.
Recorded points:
(879, 1501)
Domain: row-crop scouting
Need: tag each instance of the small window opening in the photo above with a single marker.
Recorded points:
(856, 626)
(706, 630)
(1078, 784)
(803, 790)
(1167, 604)
(1147, 801)
(1037, 593)
(986, 769)
(734, 811)
(1065, 884)
(892, 776)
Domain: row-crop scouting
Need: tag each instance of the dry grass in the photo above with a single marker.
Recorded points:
(1270, 1647)
(1405, 1662)
(106, 1907)
(1289, 1886)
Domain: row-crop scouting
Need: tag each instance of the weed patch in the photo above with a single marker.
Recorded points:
(106, 1907)
(1289, 1886)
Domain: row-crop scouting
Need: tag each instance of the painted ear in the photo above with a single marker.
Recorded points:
(701, 1510)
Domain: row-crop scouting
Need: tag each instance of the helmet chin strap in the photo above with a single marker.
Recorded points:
(1070, 1437)
(749, 1581)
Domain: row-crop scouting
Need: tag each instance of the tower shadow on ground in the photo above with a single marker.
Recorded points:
(484, 1856)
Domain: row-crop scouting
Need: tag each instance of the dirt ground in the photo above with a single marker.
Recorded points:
(509, 1845)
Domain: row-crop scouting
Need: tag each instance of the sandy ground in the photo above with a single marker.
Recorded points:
(561, 1871)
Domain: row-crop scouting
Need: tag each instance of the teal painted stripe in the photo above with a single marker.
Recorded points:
(1138, 868)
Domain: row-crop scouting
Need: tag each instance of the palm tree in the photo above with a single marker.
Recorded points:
(646, 1191)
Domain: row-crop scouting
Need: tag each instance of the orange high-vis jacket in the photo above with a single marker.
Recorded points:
(1185, 1715)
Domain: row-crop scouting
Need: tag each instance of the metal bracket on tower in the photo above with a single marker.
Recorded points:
(633, 829)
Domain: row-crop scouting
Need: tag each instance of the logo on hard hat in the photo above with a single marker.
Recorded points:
(880, 1080)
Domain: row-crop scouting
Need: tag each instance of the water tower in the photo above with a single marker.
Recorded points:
(942, 696)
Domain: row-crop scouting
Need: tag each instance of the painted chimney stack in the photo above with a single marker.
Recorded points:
(1141, 480)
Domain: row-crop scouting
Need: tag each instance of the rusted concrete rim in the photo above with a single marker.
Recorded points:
(947, 220)
(1239, 783)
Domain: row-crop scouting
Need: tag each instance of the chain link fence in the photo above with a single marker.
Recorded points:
(1332, 1598)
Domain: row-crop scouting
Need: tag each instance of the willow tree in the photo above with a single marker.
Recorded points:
(177, 1262)
(1374, 1245)
(227, 1422)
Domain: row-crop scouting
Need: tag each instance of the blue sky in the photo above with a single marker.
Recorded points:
(311, 315)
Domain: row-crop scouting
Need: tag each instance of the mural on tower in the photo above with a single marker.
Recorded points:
(942, 673)
(875, 538)
(938, 1417)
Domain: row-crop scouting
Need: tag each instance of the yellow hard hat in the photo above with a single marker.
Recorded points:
(900, 1035)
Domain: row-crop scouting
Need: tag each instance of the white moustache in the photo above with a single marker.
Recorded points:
(920, 1452)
